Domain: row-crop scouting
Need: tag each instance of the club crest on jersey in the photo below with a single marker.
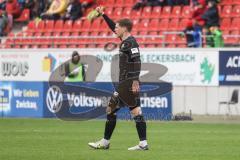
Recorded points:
(134, 50)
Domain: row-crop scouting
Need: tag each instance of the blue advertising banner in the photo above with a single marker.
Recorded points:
(78, 101)
(21, 99)
(83, 101)
(229, 68)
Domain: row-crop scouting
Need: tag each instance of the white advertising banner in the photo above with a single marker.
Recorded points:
(190, 67)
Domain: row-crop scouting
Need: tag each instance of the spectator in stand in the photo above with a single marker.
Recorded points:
(13, 8)
(86, 4)
(56, 10)
(177, 2)
(29, 4)
(74, 10)
(217, 37)
(3, 22)
(143, 3)
(211, 15)
(40, 7)
(197, 11)
(193, 35)
(2, 4)
(21, 3)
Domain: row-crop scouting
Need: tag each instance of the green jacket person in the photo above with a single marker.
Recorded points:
(75, 71)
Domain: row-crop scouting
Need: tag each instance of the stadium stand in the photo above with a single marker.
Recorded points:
(151, 22)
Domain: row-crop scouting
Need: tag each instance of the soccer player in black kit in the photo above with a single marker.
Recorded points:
(127, 92)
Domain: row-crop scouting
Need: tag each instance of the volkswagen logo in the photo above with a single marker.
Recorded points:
(54, 99)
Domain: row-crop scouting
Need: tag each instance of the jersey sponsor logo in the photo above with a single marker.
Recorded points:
(134, 50)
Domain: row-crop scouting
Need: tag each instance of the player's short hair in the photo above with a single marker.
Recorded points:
(126, 23)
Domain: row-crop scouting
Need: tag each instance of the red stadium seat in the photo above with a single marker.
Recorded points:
(154, 41)
(144, 24)
(49, 26)
(164, 23)
(58, 26)
(226, 2)
(225, 24)
(77, 26)
(93, 33)
(235, 24)
(25, 16)
(153, 25)
(143, 33)
(176, 12)
(156, 12)
(38, 34)
(135, 24)
(127, 12)
(57, 33)
(186, 12)
(107, 3)
(31, 27)
(40, 27)
(171, 40)
(119, 3)
(104, 27)
(68, 25)
(236, 11)
(231, 40)
(74, 34)
(226, 11)
(166, 12)
(109, 11)
(183, 24)
(65, 34)
(95, 26)
(226, 32)
(29, 34)
(129, 3)
(136, 14)
(146, 12)
(103, 34)
(117, 13)
(18, 40)
(173, 25)
(235, 2)
(47, 34)
(84, 34)
(86, 25)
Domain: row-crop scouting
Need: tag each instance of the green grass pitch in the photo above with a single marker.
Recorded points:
(52, 139)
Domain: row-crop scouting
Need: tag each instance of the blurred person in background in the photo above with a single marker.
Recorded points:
(193, 35)
(22, 4)
(29, 4)
(74, 10)
(143, 3)
(212, 23)
(87, 4)
(2, 4)
(56, 10)
(74, 70)
(177, 2)
(13, 8)
(193, 31)
(3, 22)
(198, 9)
(41, 6)
(217, 37)
(211, 15)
